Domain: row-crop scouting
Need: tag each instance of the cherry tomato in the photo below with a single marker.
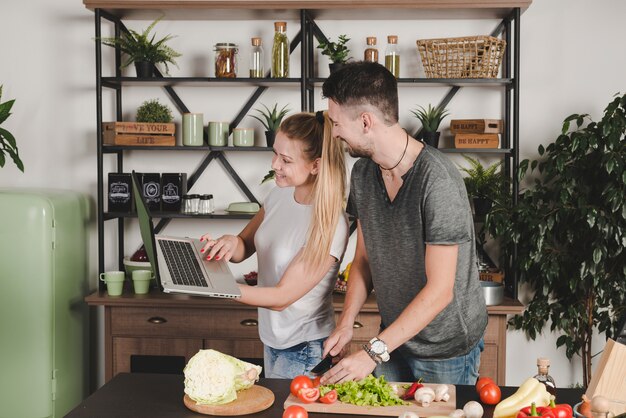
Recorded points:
(300, 382)
(482, 382)
(316, 381)
(295, 411)
(330, 397)
(308, 395)
(490, 394)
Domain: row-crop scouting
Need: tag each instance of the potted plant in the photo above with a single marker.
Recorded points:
(152, 111)
(336, 51)
(484, 184)
(271, 120)
(569, 231)
(143, 50)
(431, 119)
(8, 146)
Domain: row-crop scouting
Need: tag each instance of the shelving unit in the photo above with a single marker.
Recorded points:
(307, 12)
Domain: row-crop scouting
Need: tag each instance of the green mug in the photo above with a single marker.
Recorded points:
(141, 281)
(114, 281)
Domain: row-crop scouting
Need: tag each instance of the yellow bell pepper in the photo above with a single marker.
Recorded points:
(530, 391)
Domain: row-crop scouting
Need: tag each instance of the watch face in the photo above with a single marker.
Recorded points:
(378, 347)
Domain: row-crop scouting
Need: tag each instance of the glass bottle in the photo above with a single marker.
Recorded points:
(280, 51)
(392, 56)
(371, 52)
(256, 59)
(543, 364)
(226, 60)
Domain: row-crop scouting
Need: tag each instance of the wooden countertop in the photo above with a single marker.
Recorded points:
(289, 9)
(156, 298)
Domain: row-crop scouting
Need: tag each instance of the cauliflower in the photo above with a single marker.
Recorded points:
(213, 378)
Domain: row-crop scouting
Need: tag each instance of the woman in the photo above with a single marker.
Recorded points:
(299, 235)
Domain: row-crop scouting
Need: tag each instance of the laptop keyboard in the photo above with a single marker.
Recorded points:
(182, 263)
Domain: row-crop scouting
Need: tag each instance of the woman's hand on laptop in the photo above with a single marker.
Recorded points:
(221, 248)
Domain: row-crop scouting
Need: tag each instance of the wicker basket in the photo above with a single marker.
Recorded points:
(466, 57)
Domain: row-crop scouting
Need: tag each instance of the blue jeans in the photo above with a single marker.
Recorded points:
(293, 361)
(462, 370)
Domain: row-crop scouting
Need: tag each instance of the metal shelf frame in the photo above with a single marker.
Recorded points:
(508, 28)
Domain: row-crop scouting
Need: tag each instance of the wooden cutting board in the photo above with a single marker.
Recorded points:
(435, 408)
(255, 399)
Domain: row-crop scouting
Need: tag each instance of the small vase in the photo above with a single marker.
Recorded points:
(431, 138)
(145, 69)
(270, 136)
(335, 66)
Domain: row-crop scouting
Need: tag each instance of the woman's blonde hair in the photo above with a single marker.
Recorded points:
(329, 187)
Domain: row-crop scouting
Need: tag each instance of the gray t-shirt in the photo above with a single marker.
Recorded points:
(431, 207)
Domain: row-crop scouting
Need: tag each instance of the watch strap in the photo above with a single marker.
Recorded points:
(372, 355)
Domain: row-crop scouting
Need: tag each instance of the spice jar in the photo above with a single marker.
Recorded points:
(206, 204)
(280, 51)
(226, 60)
(392, 56)
(256, 59)
(371, 52)
(190, 204)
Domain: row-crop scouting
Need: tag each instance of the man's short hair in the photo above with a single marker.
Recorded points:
(364, 83)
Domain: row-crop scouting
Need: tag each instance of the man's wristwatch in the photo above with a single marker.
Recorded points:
(378, 349)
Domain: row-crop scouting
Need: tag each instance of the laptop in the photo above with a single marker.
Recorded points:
(176, 262)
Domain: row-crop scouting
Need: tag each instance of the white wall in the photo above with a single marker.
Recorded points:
(572, 61)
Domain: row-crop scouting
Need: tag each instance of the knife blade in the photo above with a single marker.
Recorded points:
(323, 366)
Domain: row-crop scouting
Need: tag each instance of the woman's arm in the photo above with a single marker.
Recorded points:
(233, 248)
(298, 279)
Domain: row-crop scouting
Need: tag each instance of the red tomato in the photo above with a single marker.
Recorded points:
(490, 394)
(295, 411)
(308, 395)
(482, 382)
(300, 382)
(330, 397)
(316, 381)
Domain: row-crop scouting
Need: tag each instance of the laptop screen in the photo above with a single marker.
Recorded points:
(145, 226)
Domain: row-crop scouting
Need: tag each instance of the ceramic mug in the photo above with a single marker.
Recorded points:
(141, 281)
(193, 129)
(218, 134)
(114, 281)
(243, 137)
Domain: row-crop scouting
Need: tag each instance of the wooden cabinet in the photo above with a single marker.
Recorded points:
(160, 332)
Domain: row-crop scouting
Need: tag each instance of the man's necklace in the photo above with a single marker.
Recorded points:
(387, 171)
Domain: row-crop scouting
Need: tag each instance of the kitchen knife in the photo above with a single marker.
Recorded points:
(323, 366)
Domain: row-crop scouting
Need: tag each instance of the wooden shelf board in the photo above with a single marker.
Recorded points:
(115, 82)
(109, 149)
(168, 215)
(288, 9)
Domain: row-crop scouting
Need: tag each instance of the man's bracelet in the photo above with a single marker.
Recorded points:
(373, 356)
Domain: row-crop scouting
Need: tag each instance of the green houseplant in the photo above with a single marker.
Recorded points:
(484, 184)
(336, 51)
(8, 146)
(569, 230)
(430, 119)
(143, 50)
(152, 111)
(271, 120)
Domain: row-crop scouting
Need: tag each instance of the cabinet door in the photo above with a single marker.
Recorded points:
(156, 355)
(242, 349)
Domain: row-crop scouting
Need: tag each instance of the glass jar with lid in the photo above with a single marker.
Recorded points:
(226, 60)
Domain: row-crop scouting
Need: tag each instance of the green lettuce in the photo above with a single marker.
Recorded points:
(213, 378)
(369, 391)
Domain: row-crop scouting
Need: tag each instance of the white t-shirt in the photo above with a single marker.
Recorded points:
(281, 235)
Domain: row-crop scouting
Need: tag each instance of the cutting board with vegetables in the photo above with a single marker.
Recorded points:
(255, 399)
(435, 408)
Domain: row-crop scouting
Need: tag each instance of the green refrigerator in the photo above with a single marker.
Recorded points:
(44, 354)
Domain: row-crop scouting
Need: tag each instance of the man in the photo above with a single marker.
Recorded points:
(415, 243)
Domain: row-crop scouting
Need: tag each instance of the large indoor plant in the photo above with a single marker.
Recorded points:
(143, 50)
(336, 51)
(8, 145)
(271, 120)
(569, 229)
(431, 119)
